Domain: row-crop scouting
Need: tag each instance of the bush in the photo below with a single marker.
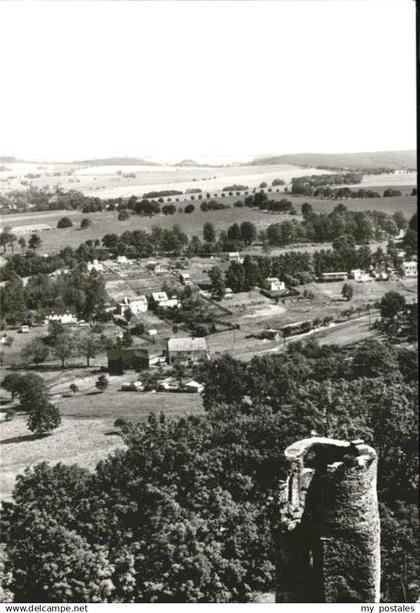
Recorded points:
(123, 215)
(389, 193)
(64, 222)
(234, 188)
(102, 383)
(120, 422)
(10, 414)
(292, 281)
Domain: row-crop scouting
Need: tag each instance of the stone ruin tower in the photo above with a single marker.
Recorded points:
(329, 541)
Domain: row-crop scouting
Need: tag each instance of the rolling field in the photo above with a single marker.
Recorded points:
(86, 434)
(192, 224)
(109, 181)
(114, 180)
(406, 204)
(107, 222)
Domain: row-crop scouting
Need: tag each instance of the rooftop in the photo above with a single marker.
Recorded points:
(158, 296)
(187, 344)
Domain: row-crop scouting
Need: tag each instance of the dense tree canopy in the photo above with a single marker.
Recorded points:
(188, 513)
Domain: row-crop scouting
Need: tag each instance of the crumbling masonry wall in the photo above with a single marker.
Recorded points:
(329, 541)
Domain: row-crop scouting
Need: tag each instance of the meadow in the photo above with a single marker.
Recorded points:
(86, 434)
(192, 224)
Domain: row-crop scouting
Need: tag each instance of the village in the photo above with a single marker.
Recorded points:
(164, 314)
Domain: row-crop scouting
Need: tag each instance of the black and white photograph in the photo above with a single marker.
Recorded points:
(208, 305)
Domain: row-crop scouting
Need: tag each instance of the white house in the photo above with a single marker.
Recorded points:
(234, 256)
(380, 275)
(272, 284)
(95, 265)
(62, 316)
(157, 267)
(137, 304)
(158, 297)
(169, 385)
(161, 300)
(360, 276)
(152, 332)
(185, 278)
(59, 271)
(160, 269)
(410, 269)
(121, 259)
(194, 387)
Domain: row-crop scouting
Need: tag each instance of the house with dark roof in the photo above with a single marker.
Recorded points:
(133, 358)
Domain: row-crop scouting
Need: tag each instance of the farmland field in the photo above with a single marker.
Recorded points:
(114, 181)
(107, 221)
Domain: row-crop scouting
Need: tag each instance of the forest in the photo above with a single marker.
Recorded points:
(189, 510)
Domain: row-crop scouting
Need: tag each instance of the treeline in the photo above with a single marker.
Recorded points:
(82, 292)
(43, 199)
(345, 228)
(188, 510)
(235, 187)
(294, 267)
(343, 193)
(322, 227)
(162, 193)
(261, 201)
(306, 185)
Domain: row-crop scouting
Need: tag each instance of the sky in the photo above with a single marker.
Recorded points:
(175, 80)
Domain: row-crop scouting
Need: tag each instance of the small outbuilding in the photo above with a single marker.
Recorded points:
(193, 387)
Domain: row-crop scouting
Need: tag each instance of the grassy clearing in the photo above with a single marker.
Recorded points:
(405, 204)
(107, 222)
(86, 434)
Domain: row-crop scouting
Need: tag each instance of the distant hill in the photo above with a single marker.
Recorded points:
(116, 162)
(187, 163)
(376, 159)
(8, 159)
